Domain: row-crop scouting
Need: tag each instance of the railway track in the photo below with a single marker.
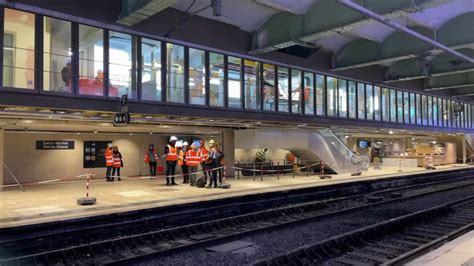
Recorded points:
(392, 242)
(159, 242)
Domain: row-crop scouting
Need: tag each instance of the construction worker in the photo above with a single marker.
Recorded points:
(151, 158)
(109, 162)
(202, 153)
(171, 157)
(212, 163)
(182, 162)
(193, 161)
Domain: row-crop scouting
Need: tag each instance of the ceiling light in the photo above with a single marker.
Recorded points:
(302, 125)
(148, 117)
(390, 132)
(131, 134)
(151, 133)
(27, 121)
(346, 137)
(95, 132)
(211, 120)
(78, 133)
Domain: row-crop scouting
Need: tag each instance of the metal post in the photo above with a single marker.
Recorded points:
(307, 169)
(254, 169)
(261, 171)
(278, 170)
(400, 163)
(294, 168)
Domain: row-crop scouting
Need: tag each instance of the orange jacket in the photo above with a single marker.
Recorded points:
(109, 157)
(172, 154)
(192, 158)
(147, 157)
(202, 153)
(117, 160)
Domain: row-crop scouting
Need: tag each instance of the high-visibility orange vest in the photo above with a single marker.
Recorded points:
(181, 159)
(192, 158)
(172, 155)
(202, 153)
(117, 161)
(109, 157)
(147, 157)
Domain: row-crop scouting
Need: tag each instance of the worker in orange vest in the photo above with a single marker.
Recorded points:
(202, 153)
(193, 161)
(171, 157)
(109, 161)
(182, 162)
(118, 163)
(151, 158)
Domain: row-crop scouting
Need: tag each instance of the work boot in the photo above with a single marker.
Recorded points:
(119, 179)
(172, 182)
(168, 181)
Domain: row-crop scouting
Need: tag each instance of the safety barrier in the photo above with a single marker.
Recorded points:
(278, 171)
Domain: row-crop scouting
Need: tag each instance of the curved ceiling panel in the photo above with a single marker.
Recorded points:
(357, 51)
(447, 63)
(399, 43)
(459, 30)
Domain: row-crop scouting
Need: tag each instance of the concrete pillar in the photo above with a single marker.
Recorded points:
(2, 153)
(228, 147)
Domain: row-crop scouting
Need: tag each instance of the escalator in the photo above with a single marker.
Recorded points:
(311, 145)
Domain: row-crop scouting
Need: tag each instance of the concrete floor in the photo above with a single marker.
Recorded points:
(57, 201)
(455, 253)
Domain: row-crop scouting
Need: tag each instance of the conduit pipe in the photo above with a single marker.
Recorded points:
(386, 21)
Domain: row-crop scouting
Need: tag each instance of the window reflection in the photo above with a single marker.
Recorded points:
(406, 107)
(57, 53)
(296, 91)
(377, 103)
(393, 106)
(197, 81)
(385, 105)
(400, 106)
(175, 73)
(283, 88)
(234, 83)
(120, 65)
(352, 99)
(309, 93)
(320, 99)
(216, 79)
(412, 109)
(361, 100)
(151, 70)
(91, 61)
(19, 49)
(331, 87)
(342, 97)
(369, 104)
(269, 87)
(252, 84)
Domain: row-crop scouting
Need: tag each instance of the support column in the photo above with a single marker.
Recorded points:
(464, 149)
(229, 152)
(2, 158)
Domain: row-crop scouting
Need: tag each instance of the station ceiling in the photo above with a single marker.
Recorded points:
(355, 41)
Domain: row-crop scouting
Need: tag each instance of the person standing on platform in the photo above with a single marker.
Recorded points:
(193, 161)
(109, 161)
(202, 153)
(151, 158)
(118, 163)
(171, 156)
(212, 164)
(182, 161)
(220, 162)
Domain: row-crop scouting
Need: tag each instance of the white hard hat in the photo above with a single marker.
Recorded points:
(173, 138)
(110, 145)
(185, 143)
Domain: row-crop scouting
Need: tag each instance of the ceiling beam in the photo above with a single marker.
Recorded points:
(440, 74)
(450, 87)
(271, 27)
(135, 11)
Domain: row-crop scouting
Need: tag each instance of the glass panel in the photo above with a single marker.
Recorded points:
(120, 65)
(361, 101)
(440, 112)
(393, 106)
(406, 107)
(369, 104)
(412, 109)
(435, 111)
(151, 70)
(268, 87)
(377, 103)
(197, 77)
(352, 100)
(309, 93)
(91, 61)
(430, 110)
(449, 113)
(342, 97)
(418, 110)
(216, 80)
(19, 49)
(424, 107)
(296, 91)
(234, 83)
(331, 87)
(386, 105)
(174, 73)
(251, 79)
(445, 113)
(399, 106)
(283, 87)
(57, 75)
(320, 88)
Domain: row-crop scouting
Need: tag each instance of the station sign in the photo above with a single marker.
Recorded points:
(55, 145)
(122, 118)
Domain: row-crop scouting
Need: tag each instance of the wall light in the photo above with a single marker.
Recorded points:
(390, 132)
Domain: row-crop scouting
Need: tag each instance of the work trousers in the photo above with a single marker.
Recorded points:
(213, 177)
(152, 168)
(192, 174)
(204, 169)
(118, 172)
(170, 172)
(184, 170)
(108, 173)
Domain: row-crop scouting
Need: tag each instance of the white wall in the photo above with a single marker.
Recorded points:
(31, 165)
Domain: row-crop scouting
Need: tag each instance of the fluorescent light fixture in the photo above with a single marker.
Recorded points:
(390, 132)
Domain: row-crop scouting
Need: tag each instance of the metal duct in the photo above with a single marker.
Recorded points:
(135, 11)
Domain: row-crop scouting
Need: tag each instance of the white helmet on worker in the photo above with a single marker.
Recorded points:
(185, 143)
(173, 138)
(110, 145)
(211, 141)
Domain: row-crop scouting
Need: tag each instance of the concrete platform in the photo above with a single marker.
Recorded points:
(57, 201)
(459, 252)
